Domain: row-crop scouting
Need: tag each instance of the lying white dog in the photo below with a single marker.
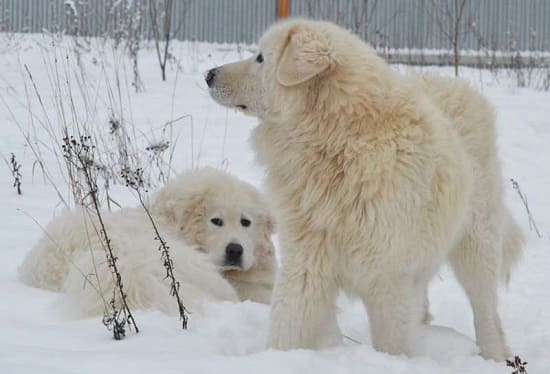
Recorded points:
(218, 229)
(378, 179)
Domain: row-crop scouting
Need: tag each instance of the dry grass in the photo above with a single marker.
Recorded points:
(15, 168)
(82, 155)
(79, 154)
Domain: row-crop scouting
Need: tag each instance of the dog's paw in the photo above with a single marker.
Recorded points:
(499, 354)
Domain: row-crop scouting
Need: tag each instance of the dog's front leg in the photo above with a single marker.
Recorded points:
(303, 313)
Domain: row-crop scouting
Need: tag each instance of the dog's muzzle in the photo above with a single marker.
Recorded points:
(210, 76)
(233, 254)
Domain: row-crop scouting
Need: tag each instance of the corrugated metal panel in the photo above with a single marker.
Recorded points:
(500, 24)
(494, 24)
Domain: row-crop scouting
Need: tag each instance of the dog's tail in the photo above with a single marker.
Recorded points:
(512, 245)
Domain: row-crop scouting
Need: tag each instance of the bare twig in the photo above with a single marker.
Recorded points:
(523, 197)
(351, 339)
(79, 153)
(166, 32)
(459, 11)
(160, 14)
(518, 365)
(134, 181)
(445, 15)
(14, 167)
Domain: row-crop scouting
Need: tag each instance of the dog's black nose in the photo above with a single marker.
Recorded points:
(233, 253)
(210, 76)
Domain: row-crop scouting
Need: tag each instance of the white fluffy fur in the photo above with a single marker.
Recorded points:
(377, 179)
(70, 256)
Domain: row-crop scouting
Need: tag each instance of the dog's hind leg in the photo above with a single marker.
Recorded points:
(476, 262)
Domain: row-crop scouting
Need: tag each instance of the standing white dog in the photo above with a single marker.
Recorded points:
(378, 179)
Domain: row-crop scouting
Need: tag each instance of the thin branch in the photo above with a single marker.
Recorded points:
(523, 197)
(134, 181)
(79, 154)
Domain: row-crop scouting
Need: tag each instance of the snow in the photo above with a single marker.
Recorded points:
(35, 337)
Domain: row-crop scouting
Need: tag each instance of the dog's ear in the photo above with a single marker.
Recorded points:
(305, 55)
(192, 217)
(268, 229)
(184, 212)
(269, 225)
(164, 205)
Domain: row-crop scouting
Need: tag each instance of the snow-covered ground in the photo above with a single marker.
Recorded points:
(36, 338)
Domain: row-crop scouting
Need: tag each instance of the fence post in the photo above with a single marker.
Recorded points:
(283, 8)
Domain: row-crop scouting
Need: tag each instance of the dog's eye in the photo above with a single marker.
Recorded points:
(245, 222)
(260, 58)
(217, 221)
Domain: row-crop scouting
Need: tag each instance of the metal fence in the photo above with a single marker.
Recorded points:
(505, 25)
(427, 24)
